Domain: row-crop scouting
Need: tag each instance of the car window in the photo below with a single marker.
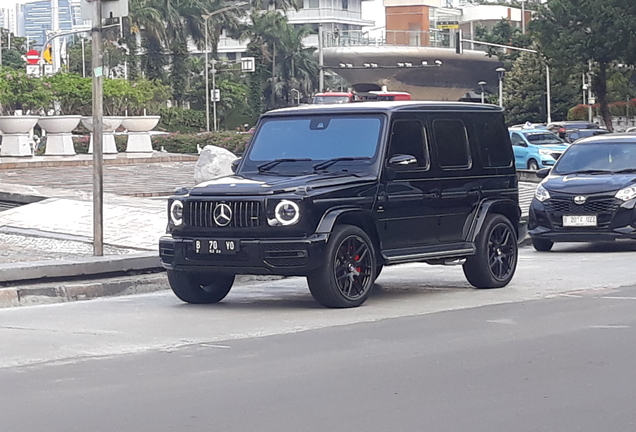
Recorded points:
(516, 139)
(408, 138)
(494, 146)
(543, 138)
(451, 139)
(602, 156)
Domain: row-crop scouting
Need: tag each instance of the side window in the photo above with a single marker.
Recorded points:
(451, 139)
(408, 138)
(516, 139)
(493, 141)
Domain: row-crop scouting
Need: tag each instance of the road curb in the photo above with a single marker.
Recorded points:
(89, 266)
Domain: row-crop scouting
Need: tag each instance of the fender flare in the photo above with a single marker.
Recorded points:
(484, 210)
(328, 220)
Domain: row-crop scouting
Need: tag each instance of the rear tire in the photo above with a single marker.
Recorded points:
(348, 271)
(495, 262)
(542, 245)
(533, 165)
(200, 288)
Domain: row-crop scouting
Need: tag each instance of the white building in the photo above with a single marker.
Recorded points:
(7, 19)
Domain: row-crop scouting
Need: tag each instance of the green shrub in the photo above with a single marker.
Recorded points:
(81, 143)
(182, 120)
(182, 143)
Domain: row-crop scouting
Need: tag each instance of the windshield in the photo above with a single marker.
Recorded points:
(331, 99)
(543, 138)
(601, 157)
(297, 144)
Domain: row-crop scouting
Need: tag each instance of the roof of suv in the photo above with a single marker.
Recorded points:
(382, 106)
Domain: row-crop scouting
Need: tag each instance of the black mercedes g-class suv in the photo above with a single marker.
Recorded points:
(335, 192)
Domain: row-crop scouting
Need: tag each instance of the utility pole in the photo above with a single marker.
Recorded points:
(98, 132)
(321, 64)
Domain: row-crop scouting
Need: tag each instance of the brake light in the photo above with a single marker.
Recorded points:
(561, 130)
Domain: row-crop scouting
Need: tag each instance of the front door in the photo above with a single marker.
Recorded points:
(406, 202)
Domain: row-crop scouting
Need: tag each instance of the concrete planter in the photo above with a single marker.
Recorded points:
(59, 141)
(16, 140)
(138, 133)
(110, 125)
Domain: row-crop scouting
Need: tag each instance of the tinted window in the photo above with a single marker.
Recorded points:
(494, 144)
(516, 139)
(316, 138)
(451, 141)
(407, 138)
(543, 138)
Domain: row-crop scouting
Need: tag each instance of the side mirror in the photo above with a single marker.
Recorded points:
(402, 161)
(235, 164)
(543, 173)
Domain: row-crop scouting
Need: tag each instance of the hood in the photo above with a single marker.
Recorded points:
(589, 183)
(258, 184)
(553, 147)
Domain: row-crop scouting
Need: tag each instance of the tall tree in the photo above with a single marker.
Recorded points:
(575, 33)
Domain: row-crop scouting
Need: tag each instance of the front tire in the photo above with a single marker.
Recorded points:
(200, 288)
(495, 262)
(348, 272)
(533, 165)
(542, 245)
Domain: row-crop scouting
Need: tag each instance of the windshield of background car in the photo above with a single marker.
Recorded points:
(601, 156)
(543, 138)
(331, 99)
(315, 139)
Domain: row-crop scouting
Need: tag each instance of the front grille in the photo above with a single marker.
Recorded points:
(603, 208)
(591, 206)
(245, 214)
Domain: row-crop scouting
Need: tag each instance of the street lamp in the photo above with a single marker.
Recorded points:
(482, 84)
(207, 50)
(501, 71)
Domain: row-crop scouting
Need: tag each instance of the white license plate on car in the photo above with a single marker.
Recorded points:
(579, 221)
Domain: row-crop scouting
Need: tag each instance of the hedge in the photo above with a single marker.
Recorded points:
(185, 143)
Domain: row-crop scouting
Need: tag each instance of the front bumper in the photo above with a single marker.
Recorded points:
(617, 221)
(289, 257)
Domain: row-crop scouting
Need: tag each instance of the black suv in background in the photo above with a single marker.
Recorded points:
(589, 195)
(334, 193)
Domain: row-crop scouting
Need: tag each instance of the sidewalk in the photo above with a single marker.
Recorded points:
(46, 222)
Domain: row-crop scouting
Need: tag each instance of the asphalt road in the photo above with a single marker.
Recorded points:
(551, 352)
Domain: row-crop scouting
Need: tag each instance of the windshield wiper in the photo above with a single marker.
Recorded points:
(591, 171)
(269, 165)
(328, 163)
(625, 171)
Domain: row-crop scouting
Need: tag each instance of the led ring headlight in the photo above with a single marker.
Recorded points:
(287, 212)
(176, 212)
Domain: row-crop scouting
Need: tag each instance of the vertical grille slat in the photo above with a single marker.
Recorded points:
(245, 214)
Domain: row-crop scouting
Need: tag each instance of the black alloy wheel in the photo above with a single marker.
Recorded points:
(495, 262)
(347, 277)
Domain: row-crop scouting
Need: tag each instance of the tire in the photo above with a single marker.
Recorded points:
(378, 270)
(495, 262)
(200, 288)
(542, 245)
(533, 165)
(348, 271)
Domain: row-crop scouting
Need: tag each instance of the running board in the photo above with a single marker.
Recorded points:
(456, 251)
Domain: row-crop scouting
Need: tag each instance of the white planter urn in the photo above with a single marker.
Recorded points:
(16, 139)
(139, 133)
(109, 126)
(59, 141)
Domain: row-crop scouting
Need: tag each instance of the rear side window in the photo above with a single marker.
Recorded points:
(451, 139)
(493, 139)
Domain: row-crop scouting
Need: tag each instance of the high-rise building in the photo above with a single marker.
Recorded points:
(7, 19)
(35, 19)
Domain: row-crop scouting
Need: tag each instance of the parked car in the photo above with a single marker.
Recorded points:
(529, 125)
(589, 195)
(570, 125)
(572, 135)
(334, 98)
(373, 184)
(535, 148)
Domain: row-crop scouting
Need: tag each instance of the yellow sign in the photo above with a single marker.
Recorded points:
(446, 25)
(47, 55)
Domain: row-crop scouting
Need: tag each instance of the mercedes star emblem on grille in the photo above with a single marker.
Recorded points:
(222, 215)
(579, 200)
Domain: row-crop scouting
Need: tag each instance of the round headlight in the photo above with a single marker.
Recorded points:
(287, 212)
(176, 212)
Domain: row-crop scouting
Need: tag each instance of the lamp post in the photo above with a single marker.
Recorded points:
(207, 81)
(501, 71)
(482, 84)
